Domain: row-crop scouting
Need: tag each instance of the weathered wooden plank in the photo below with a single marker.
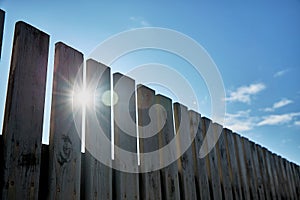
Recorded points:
(283, 178)
(98, 173)
(169, 174)
(277, 179)
(257, 170)
(1, 164)
(285, 166)
(296, 176)
(223, 162)
(202, 184)
(126, 184)
(65, 143)
(264, 172)
(242, 166)
(44, 180)
(233, 164)
(2, 17)
(213, 163)
(270, 172)
(185, 162)
(251, 176)
(150, 186)
(24, 111)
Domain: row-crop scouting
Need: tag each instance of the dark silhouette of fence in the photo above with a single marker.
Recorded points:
(236, 168)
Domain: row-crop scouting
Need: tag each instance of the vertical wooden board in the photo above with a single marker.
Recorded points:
(296, 177)
(126, 184)
(2, 17)
(277, 176)
(169, 174)
(44, 180)
(242, 166)
(289, 180)
(213, 162)
(285, 184)
(200, 168)
(97, 166)
(65, 142)
(1, 164)
(223, 162)
(250, 169)
(264, 172)
(233, 164)
(24, 111)
(270, 172)
(185, 162)
(258, 180)
(150, 187)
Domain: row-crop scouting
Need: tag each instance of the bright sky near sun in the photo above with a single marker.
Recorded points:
(255, 45)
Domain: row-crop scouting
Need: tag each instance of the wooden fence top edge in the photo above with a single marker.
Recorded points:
(62, 44)
(28, 26)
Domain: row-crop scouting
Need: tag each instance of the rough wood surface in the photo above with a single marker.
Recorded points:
(65, 143)
(270, 172)
(24, 111)
(264, 172)
(185, 162)
(242, 166)
(2, 17)
(126, 184)
(224, 169)
(98, 173)
(150, 186)
(213, 163)
(201, 177)
(169, 174)
(233, 164)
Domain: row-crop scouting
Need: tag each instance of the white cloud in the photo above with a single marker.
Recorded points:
(280, 73)
(278, 104)
(277, 119)
(240, 121)
(139, 22)
(243, 94)
(297, 123)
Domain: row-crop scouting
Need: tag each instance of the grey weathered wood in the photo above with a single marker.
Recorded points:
(290, 180)
(264, 172)
(224, 169)
(285, 183)
(242, 166)
(257, 171)
(251, 176)
(169, 174)
(98, 173)
(126, 184)
(150, 187)
(2, 17)
(201, 167)
(65, 143)
(24, 111)
(270, 172)
(233, 164)
(213, 162)
(185, 162)
(296, 177)
(278, 186)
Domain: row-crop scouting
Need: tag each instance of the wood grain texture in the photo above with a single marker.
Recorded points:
(264, 172)
(24, 111)
(233, 164)
(270, 172)
(2, 17)
(65, 142)
(169, 174)
(126, 185)
(185, 162)
(213, 173)
(201, 176)
(98, 173)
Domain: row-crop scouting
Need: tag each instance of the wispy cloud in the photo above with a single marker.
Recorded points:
(279, 104)
(297, 123)
(139, 22)
(277, 119)
(280, 73)
(240, 121)
(243, 93)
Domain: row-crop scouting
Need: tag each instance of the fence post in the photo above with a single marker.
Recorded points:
(24, 111)
(2, 17)
(169, 174)
(223, 162)
(185, 162)
(126, 184)
(65, 143)
(270, 172)
(213, 162)
(150, 187)
(202, 183)
(97, 175)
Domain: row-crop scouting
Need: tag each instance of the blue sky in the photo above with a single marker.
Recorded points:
(256, 46)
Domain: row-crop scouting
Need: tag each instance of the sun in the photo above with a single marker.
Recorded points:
(82, 97)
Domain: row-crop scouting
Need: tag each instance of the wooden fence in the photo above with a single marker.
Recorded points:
(236, 168)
